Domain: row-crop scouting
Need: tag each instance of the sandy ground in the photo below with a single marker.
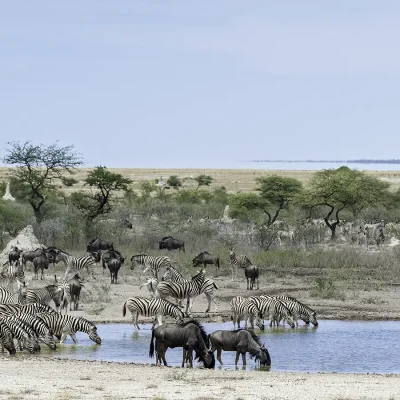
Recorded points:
(64, 379)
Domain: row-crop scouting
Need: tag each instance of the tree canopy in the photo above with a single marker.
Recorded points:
(344, 188)
(103, 184)
(37, 166)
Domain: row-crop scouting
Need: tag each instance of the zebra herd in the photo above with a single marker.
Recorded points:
(253, 310)
(30, 324)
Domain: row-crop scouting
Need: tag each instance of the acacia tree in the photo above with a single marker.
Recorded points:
(275, 193)
(203, 180)
(103, 186)
(37, 166)
(343, 188)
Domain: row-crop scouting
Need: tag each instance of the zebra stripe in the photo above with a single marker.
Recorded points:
(6, 297)
(63, 325)
(32, 308)
(45, 295)
(242, 262)
(22, 332)
(12, 274)
(207, 287)
(151, 307)
(238, 310)
(44, 333)
(299, 310)
(6, 339)
(184, 290)
(151, 262)
(151, 284)
(77, 264)
(275, 309)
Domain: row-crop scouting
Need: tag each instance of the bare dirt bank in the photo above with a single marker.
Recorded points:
(65, 379)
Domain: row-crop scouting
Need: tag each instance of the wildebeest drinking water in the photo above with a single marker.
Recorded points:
(169, 243)
(190, 336)
(242, 341)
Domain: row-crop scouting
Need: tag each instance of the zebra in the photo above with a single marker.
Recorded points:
(151, 284)
(242, 262)
(6, 339)
(299, 310)
(6, 297)
(77, 264)
(63, 325)
(12, 274)
(40, 328)
(21, 331)
(207, 287)
(32, 308)
(151, 307)
(151, 262)
(45, 295)
(275, 308)
(185, 290)
(240, 309)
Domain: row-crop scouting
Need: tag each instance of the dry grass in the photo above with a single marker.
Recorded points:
(234, 180)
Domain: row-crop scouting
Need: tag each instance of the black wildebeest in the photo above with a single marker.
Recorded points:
(109, 255)
(75, 286)
(114, 265)
(206, 258)
(190, 336)
(251, 273)
(169, 243)
(99, 244)
(42, 262)
(14, 255)
(242, 341)
(31, 254)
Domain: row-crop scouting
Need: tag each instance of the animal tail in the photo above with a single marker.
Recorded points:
(183, 247)
(151, 351)
(215, 286)
(218, 262)
(124, 310)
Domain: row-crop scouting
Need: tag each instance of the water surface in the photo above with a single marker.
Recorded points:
(335, 346)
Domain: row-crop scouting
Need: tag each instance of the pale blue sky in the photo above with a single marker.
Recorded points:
(202, 83)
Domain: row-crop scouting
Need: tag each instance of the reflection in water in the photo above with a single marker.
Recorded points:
(335, 346)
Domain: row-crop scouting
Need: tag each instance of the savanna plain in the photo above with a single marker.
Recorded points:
(357, 283)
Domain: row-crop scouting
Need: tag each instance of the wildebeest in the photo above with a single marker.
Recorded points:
(42, 262)
(75, 286)
(190, 336)
(242, 341)
(170, 243)
(206, 258)
(251, 273)
(31, 254)
(99, 244)
(109, 255)
(114, 265)
(14, 255)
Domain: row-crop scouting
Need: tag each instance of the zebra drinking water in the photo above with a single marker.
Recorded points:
(151, 307)
(275, 309)
(155, 264)
(299, 310)
(63, 325)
